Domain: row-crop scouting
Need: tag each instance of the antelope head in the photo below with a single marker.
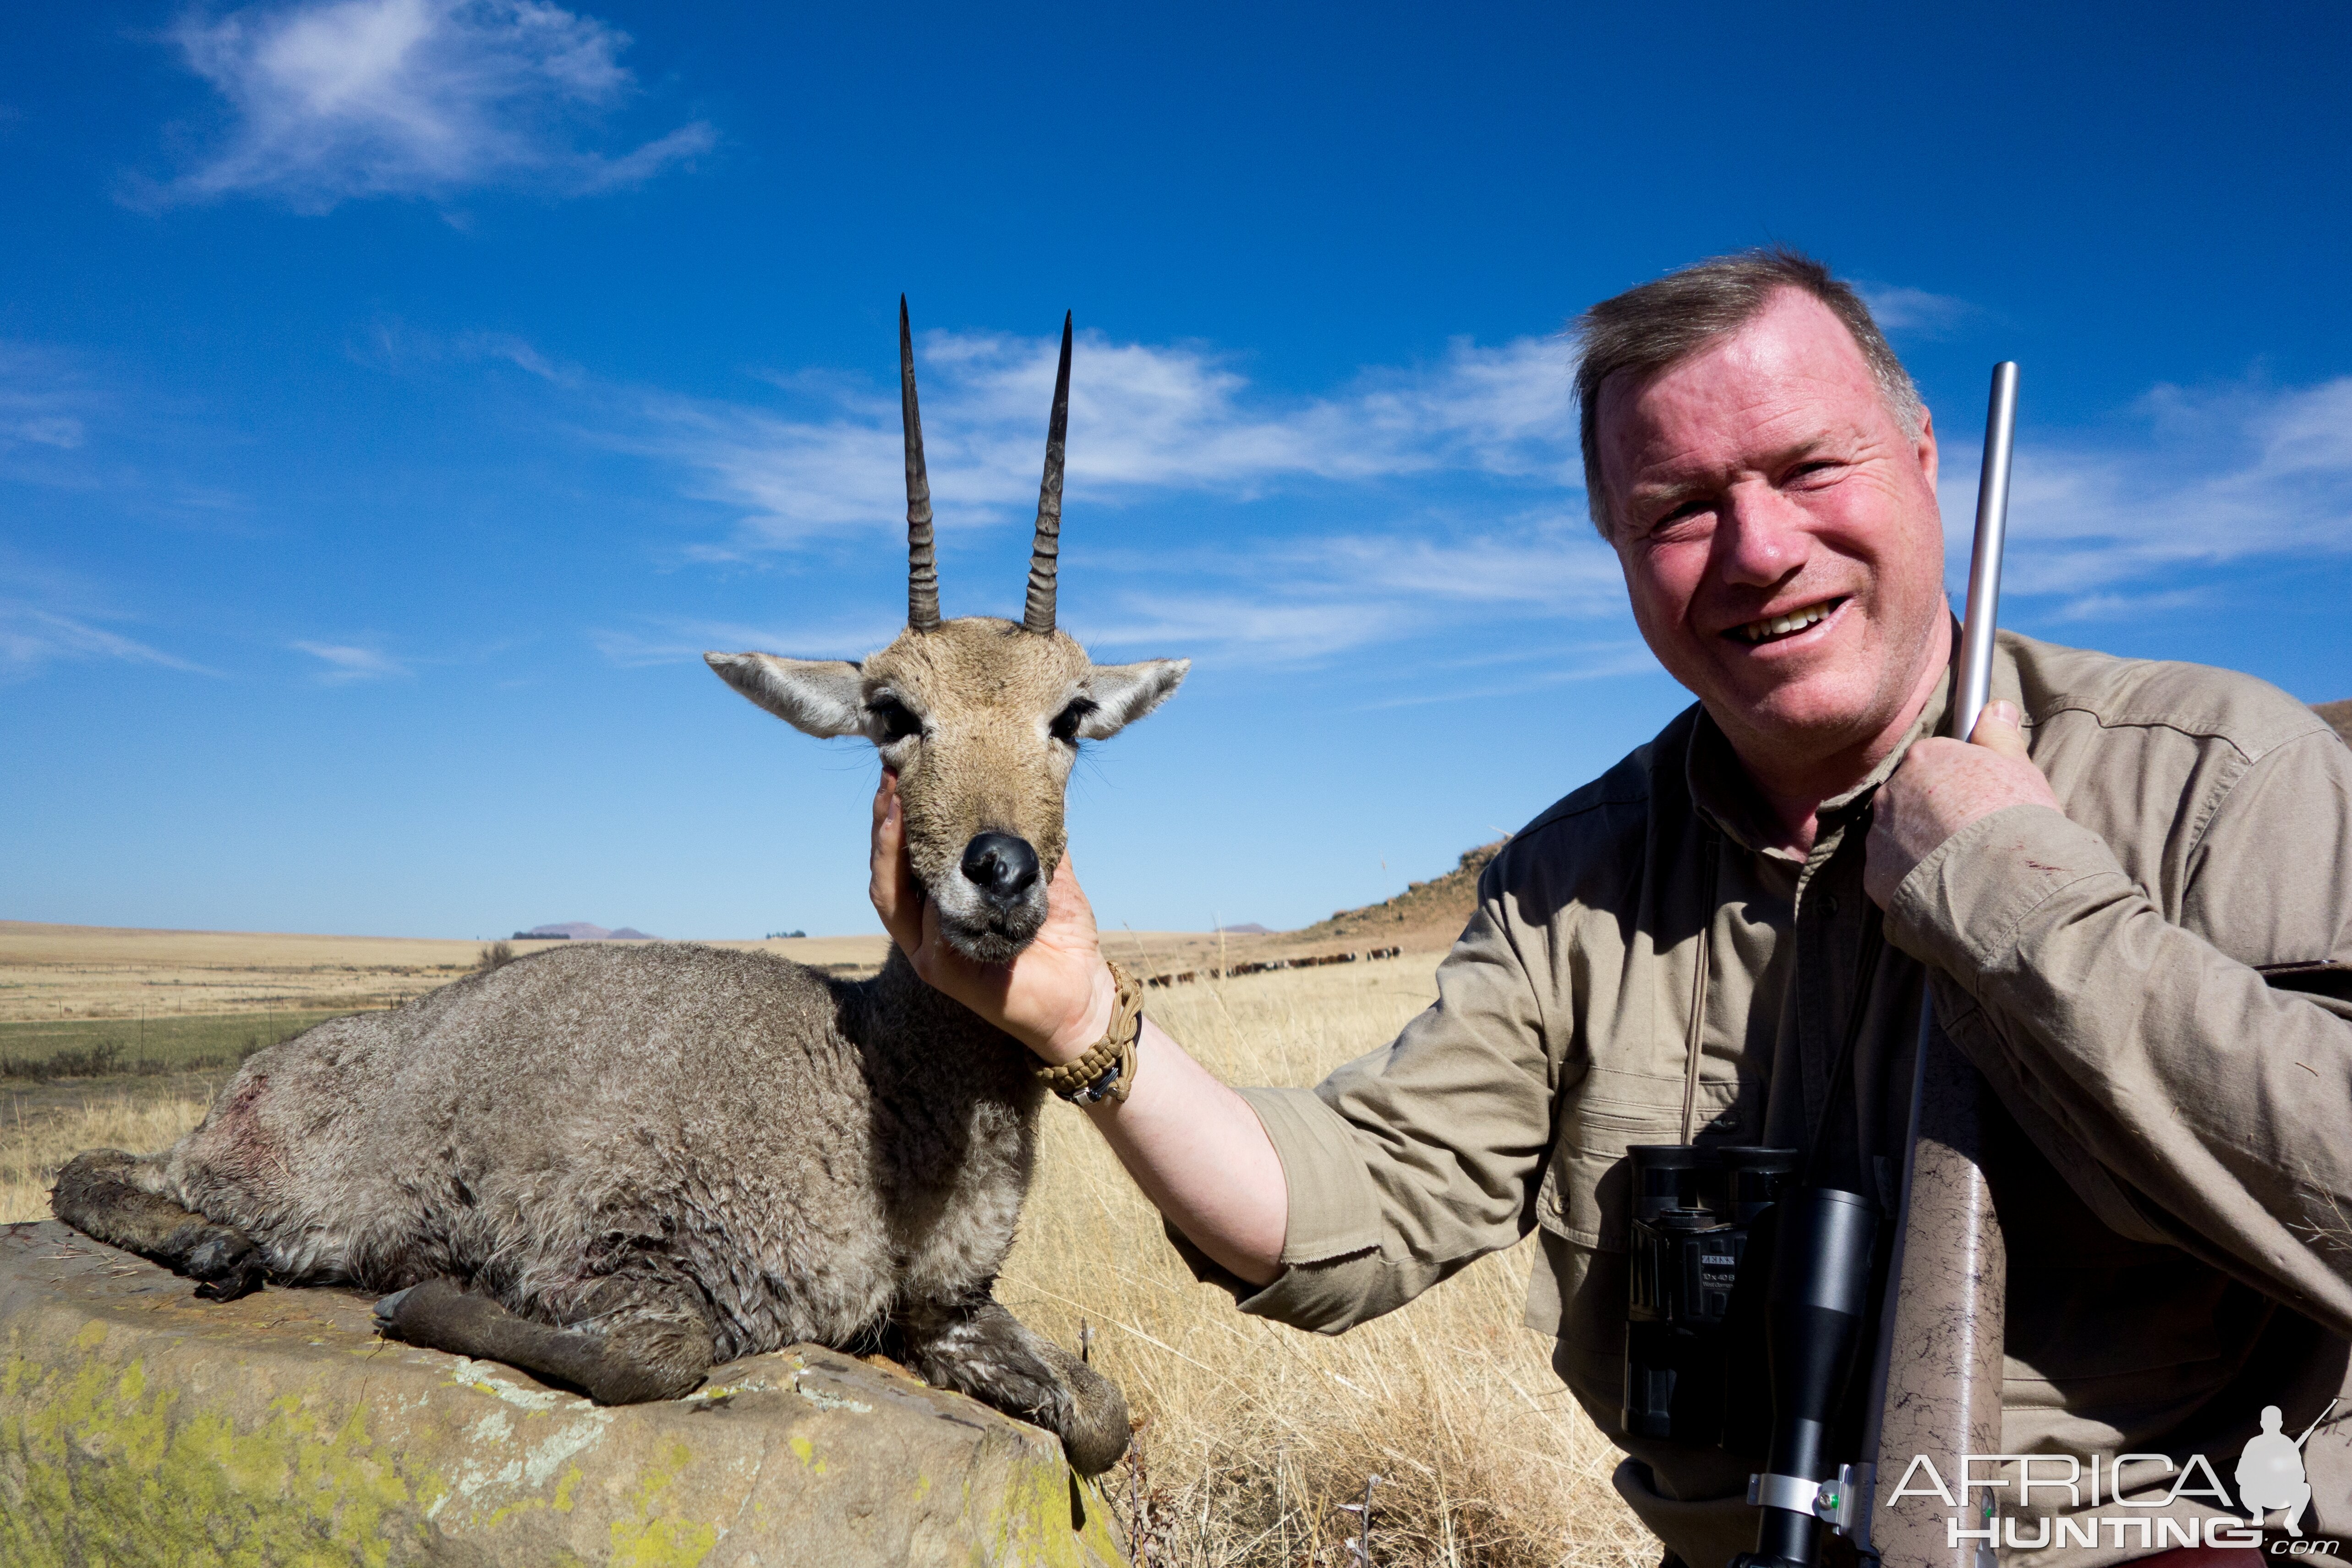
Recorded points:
(981, 718)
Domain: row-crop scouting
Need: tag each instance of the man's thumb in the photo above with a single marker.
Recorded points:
(1997, 730)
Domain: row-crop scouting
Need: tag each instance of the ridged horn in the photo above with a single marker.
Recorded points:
(922, 560)
(1046, 555)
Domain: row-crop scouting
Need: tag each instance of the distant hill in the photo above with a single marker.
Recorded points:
(581, 931)
(1252, 929)
(2338, 713)
(1424, 913)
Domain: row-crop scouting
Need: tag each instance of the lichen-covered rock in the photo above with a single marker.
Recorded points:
(140, 1427)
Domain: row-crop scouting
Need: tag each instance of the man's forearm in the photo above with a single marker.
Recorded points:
(1201, 1157)
(2176, 1065)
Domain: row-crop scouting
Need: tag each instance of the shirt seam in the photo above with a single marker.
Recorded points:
(2128, 719)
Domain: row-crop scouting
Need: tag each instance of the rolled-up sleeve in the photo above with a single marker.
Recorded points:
(2219, 1101)
(1409, 1162)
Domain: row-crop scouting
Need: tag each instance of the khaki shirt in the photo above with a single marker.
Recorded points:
(2174, 1185)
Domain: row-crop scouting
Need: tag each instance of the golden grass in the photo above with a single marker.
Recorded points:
(36, 1140)
(1254, 1433)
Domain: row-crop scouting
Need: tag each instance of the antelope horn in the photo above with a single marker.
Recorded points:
(922, 563)
(1045, 556)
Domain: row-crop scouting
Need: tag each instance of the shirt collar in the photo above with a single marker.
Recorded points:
(1728, 800)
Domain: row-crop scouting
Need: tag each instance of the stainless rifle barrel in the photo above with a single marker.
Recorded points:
(1984, 564)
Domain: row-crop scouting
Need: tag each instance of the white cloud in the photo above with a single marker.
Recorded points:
(347, 662)
(657, 641)
(1150, 420)
(1144, 419)
(49, 617)
(42, 403)
(1304, 600)
(32, 636)
(1902, 310)
(2222, 477)
(335, 99)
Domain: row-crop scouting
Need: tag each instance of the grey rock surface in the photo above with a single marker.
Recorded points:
(140, 1426)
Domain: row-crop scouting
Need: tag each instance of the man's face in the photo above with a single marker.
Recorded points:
(1778, 534)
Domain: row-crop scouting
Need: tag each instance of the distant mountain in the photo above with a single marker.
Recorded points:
(1252, 929)
(581, 931)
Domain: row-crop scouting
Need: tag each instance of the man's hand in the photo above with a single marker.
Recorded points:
(1055, 997)
(1941, 787)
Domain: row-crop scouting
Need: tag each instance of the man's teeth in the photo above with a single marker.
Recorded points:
(1780, 625)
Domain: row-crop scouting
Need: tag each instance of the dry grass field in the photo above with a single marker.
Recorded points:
(1252, 1434)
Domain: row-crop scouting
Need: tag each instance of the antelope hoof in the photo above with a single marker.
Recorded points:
(228, 1267)
(1095, 1429)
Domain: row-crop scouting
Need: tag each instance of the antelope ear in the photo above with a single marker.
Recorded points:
(1125, 692)
(823, 697)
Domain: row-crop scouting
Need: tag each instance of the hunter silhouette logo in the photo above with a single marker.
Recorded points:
(2269, 1472)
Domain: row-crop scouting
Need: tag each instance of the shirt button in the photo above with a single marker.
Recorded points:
(1828, 906)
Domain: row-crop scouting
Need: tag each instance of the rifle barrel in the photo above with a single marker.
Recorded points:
(1984, 561)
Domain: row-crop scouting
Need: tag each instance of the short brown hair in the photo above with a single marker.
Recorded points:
(1663, 323)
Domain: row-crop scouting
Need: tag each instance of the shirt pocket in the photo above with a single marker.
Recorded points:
(1585, 1194)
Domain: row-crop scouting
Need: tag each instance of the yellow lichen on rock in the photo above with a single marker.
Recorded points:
(140, 1427)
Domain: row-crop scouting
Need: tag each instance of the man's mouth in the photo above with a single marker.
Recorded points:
(1772, 628)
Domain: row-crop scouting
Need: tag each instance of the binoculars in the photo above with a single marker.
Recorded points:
(1749, 1293)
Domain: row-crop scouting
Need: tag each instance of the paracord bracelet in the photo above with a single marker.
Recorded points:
(1108, 1069)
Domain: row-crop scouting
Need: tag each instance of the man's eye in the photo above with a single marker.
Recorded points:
(895, 718)
(1064, 727)
(1686, 521)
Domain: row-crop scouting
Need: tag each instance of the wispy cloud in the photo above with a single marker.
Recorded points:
(823, 465)
(1144, 419)
(47, 617)
(336, 99)
(1914, 312)
(2212, 478)
(393, 345)
(1301, 600)
(346, 663)
(31, 636)
(670, 641)
(42, 403)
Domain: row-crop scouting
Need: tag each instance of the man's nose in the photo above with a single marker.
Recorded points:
(1761, 537)
(1003, 867)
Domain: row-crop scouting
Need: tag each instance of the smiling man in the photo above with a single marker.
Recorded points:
(2129, 894)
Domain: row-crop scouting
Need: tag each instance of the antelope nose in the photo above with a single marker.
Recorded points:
(1002, 866)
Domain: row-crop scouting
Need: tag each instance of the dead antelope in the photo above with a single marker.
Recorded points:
(616, 1166)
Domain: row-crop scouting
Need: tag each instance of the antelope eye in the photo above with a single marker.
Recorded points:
(1064, 727)
(895, 720)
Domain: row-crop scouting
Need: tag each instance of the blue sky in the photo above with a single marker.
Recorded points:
(397, 396)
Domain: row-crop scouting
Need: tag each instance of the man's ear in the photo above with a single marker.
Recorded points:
(1124, 693)
(823, 697)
